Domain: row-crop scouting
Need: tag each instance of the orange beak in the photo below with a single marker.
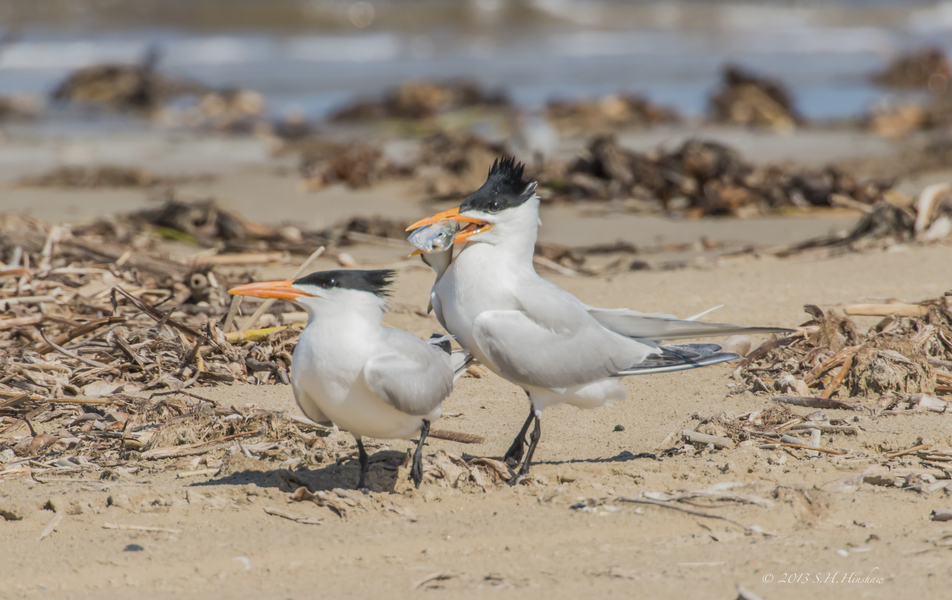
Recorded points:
(283, 290)
(475, 225)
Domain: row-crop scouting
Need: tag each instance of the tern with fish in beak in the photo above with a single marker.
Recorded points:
(350, 370)
(535, 334)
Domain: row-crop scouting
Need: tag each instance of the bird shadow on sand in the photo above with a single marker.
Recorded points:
(240, 470)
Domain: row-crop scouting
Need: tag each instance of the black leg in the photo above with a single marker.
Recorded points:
(514, 453)
(362, 454)
(533, 442)
(416, 471)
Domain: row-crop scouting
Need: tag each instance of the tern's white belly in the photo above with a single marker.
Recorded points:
(331, 381)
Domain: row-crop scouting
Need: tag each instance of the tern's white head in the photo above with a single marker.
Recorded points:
(325, 291)
(503, 211)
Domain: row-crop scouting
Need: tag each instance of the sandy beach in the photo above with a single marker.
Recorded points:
(118, 480)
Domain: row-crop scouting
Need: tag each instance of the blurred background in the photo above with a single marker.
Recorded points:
(311, 57)
(308, 111)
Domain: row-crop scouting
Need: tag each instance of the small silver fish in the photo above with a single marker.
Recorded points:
(436, 237)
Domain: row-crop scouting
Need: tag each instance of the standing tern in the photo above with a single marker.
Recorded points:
(535, 334)
(350, 370)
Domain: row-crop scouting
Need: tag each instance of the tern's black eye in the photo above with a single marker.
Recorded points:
(494, 206)
(331, 283)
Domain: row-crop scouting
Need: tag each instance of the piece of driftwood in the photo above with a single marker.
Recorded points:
(21, 321)
(886, 310)
(839, 377)
(702, 438)
(245, 258)
(124, 527)
(834, 361)
(815, 402)
(456, 436)
(78, 332)
(913, 450)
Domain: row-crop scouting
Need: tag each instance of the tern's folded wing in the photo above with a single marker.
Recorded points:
(680, 357)
(528, 352)
(662, 327)
(409, 374)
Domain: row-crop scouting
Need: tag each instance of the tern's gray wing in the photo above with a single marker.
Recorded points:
(552, 342)
(665, 327)
(409, 374)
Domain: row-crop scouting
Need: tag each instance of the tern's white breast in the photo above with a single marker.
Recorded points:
(328, 367)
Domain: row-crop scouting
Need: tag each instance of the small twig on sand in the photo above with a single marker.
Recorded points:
(79, 331)
(438, 576)
(52, 525)
(66, 352)
(269, 302)
(139, 528)
(162, 318)
(697, 513)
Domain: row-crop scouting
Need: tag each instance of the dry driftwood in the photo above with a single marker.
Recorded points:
(701, 438)
(886, 310)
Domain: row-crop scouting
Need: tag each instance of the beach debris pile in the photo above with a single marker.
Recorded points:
(102, 176)
(111, 438)
(454, 164)
(422, 100)
(134, 87)
(892, 221)
(703, 178)
(927, 69)
(79, 312)
(828, 378)
(923, 68)
(750, 100)
(357, 164)
(903, 362)
(606, 114)
(234, 239)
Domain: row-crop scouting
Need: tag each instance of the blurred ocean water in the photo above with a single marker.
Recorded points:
(534, 50)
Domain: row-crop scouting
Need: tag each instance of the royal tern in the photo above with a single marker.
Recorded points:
(350, 370)
(535, 334)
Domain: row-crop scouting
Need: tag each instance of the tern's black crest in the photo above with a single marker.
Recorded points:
(375, 282)
(504, 188)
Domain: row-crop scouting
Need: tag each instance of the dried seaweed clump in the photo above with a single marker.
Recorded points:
(751, 100)
(923, 68)
(607, 114)
(137, 87)
(704, 178)
(422, 100)
(353, 163)
(105, 176)
(828, 357)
